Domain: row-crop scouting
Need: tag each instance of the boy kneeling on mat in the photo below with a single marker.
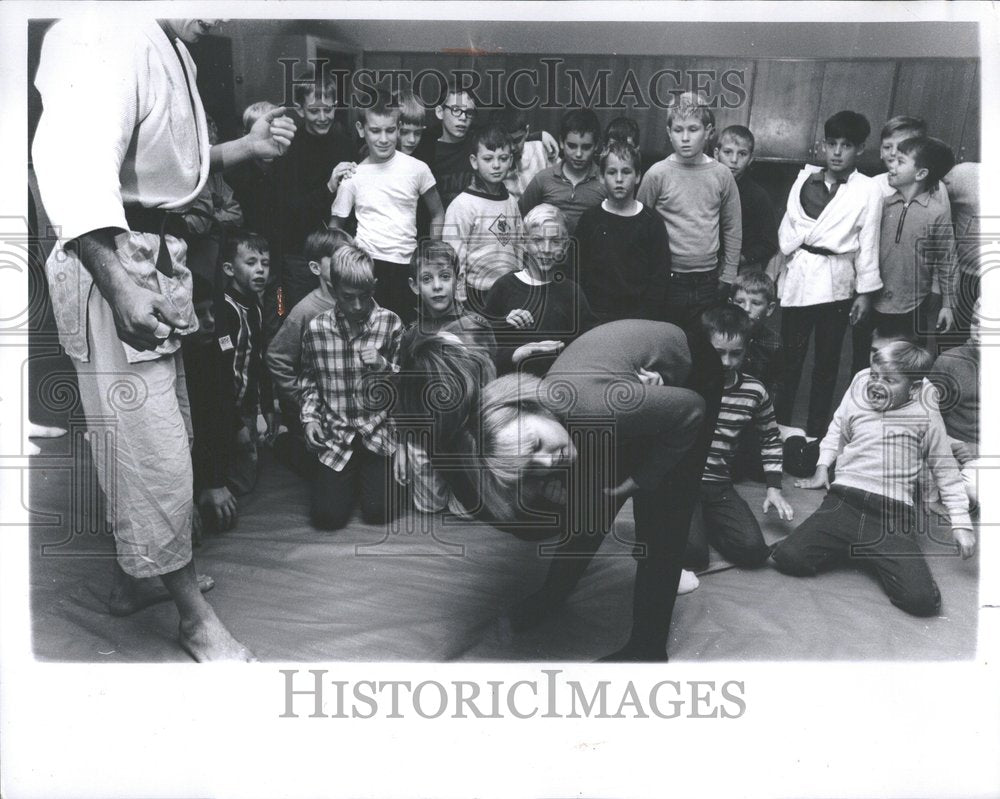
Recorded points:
(879, 437)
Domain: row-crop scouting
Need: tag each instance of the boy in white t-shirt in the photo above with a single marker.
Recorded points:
(383, 191)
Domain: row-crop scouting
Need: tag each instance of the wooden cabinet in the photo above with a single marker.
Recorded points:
(942, 91)
(786, 96)
(862, 86)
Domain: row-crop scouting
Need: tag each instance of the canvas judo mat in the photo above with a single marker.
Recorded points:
(292, 593)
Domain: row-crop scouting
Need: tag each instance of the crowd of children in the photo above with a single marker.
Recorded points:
(514, 245)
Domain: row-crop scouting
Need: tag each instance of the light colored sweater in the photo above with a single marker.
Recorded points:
(485, 231)
(883, 451)
(700, 208)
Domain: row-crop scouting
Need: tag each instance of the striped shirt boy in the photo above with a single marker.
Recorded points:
(744, 403)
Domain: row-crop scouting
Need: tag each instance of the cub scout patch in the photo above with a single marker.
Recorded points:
(502, 229)
(225, 343)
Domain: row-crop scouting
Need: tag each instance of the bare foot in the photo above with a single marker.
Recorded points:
(131, 595)
(208, 640)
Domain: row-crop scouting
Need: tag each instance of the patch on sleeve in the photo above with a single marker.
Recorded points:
(225, 343)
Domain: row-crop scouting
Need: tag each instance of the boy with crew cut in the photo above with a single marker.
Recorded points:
(729, 524)
(246, 262)
(450, 159)
(881, 438)
(483, 222)
(829, 236)
(917, 243)
(345, 352)
(759, 225)
(384, 191)
(575, 184)
(434, 279)
(699, 203)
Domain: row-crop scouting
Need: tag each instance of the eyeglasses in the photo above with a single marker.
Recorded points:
(458, 111)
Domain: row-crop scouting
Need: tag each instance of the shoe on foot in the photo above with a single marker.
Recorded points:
(688, 582)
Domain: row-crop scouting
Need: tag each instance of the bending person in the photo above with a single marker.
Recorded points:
(626, 410)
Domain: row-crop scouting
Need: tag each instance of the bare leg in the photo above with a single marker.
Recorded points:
(131, 594)
(202, 635)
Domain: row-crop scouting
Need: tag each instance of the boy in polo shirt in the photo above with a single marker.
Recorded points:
(917, 243)
(829, 235)
(699, 203)
(575, 184)
(383, 191)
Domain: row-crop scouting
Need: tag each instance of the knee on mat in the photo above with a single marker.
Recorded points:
(330, 518)
(790, 560)
(919, 603)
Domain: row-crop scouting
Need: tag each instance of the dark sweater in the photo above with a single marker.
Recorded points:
(451, 168)
(560, 310)
(666, 419)
(956, 375)
(760, 228)
(302, 174)
(624, 263)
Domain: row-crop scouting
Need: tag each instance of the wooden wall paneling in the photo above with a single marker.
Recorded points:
(660, 78)
(942, 91)
(542, 118)
(729, 87)
(786, 96)
(969, 149)
(492, 90)
(862, 86)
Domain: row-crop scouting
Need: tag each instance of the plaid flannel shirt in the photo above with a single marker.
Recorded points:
(345, 397)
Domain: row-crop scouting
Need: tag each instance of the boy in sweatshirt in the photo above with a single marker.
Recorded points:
(880, 438)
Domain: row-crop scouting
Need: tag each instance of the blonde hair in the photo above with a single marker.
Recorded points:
(255, 111)
(504, 401)
(541, 215)
(352, 266)
(690, 104)
(905, 358)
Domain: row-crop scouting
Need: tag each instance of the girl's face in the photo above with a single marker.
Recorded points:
(545, 246)
(540, 440)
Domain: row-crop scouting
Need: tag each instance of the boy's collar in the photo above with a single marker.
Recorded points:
(592, 172)
(477, 188)
(922, 197)
(241, 296)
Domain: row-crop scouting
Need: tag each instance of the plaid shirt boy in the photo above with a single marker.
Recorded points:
(345, 397)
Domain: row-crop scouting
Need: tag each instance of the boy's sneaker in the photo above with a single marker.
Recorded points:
(688, 582)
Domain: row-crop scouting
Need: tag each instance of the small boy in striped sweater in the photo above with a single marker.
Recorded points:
(728, 523)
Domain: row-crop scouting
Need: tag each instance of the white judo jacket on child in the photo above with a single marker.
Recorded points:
(848, 229)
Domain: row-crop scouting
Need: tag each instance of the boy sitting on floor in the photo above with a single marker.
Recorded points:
(343, 352)
(880, 438)
(729, 524)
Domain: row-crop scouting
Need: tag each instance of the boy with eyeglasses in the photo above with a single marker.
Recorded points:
(450, 163)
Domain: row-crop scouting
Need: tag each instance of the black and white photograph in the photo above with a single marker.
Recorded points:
(580, 369)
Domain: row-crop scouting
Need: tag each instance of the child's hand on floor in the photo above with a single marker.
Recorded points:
(820, 479)
(221, 504)
(271, 430)
(966, 540)
(520, 319)
(313, 434)
(775, 499)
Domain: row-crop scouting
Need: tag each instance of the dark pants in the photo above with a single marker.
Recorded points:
(968, 293)
(726, 522)
(693, 291)
(393, 290)
(829, 320)
(870, 532)
(662, 521)
(366, 477)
